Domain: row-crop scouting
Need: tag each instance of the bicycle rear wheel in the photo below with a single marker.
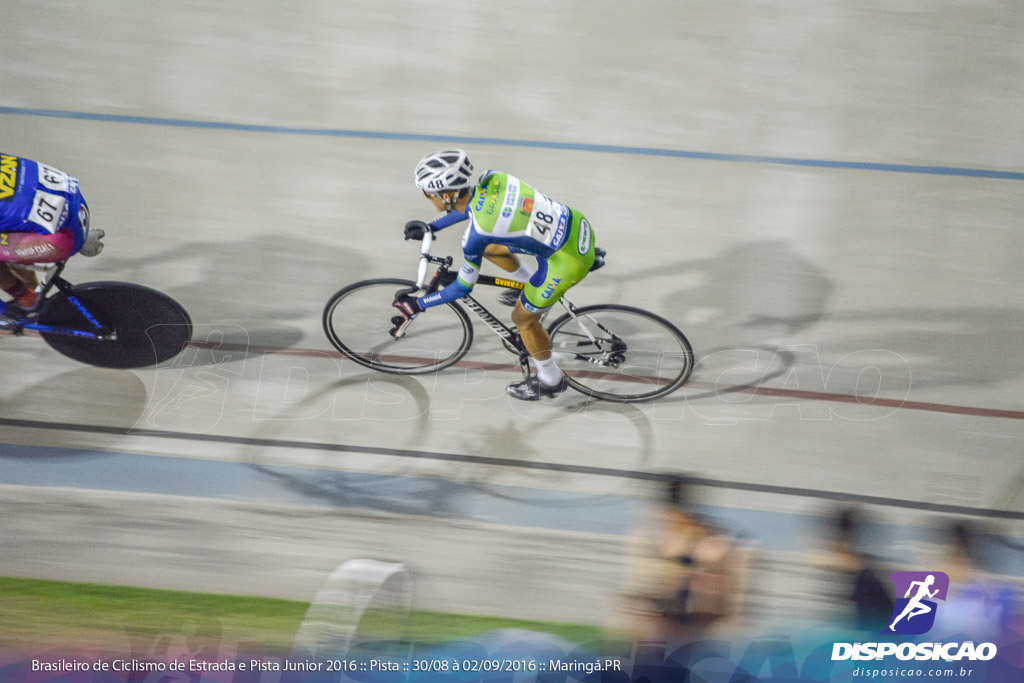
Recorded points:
(357, 321)
(620, 353)
(146, 326)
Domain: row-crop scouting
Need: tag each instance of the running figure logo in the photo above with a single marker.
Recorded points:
(914, 613)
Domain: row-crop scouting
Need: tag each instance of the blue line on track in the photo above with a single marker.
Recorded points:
(402, 494)
(539, 144)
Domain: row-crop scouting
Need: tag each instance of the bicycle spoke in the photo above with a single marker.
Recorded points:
(357, 321)
(620, 353)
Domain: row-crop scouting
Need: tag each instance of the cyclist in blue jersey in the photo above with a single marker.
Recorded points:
(506, 217)
(43, 219)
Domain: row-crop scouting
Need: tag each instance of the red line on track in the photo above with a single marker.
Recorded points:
(750, 389)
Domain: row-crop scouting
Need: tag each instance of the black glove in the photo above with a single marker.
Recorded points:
(415, 230)
(408, 308)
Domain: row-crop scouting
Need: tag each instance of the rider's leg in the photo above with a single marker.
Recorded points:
(27, 276)
(20, 286)
(7, 279)
(561, 273)
(557, 274)
(549, 379)
(30, 247)
(538, 343)
(500, 256)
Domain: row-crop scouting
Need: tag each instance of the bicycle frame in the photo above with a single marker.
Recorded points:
(512, 339)
(601, 348)
(497, 326)
(55, 280)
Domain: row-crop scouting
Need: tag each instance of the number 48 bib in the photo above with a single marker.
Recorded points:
(548, 221)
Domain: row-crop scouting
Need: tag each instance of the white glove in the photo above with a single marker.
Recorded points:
(92, 245)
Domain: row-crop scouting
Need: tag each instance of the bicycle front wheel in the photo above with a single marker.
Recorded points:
(620, 353)
(357, 321)
(144, 327)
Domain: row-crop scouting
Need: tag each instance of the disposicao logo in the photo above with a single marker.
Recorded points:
(914, 613)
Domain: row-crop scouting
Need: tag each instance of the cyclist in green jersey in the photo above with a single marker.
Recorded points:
(506, 217)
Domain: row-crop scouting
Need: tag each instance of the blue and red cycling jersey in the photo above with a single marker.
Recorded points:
(37, 198)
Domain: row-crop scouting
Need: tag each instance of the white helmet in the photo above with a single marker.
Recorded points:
(449, 170)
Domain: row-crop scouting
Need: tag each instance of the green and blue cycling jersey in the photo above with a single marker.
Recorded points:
(504, 210)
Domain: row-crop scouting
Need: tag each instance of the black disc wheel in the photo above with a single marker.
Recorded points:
(135, 326)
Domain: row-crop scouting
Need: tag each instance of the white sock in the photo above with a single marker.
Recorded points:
(524, 273)
(548, 371)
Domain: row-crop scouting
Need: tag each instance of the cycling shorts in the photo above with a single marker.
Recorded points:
(563, 269)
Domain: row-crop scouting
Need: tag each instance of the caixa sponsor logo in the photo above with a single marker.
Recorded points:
(949, 652)
(549, 289)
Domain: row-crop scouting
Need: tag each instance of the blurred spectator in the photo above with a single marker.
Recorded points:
(865, 586)
(980, 603)
(686, 574)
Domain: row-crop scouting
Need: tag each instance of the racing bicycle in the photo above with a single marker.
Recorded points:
(607, 351)
(106, 324)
